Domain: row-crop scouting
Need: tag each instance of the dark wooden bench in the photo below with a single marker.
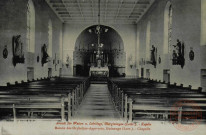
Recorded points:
(144, 98)
(62, 94)
(31, 106)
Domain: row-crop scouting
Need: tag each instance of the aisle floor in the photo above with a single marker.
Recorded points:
(97, 104)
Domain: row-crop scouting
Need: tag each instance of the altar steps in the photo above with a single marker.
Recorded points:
(98, 82)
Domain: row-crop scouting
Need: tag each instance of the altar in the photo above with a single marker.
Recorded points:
(99, 71)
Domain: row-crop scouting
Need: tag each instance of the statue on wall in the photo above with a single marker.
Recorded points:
(5, 52)
(153, 56)
(178, 54)
(45, 56)
(131, 61)
(55, 62)
(67, 61)
(159, 60)
(191, 54)
(17, 49)
(37, 59)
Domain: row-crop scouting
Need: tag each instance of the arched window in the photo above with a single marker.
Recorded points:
(50, 38)
(148, 34)
(203, 22)
(167, 28)
(31, 26)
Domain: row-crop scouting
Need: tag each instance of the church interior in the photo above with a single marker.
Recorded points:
(127, 60)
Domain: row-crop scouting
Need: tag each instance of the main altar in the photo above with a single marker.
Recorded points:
(99, 71)
(99, 60)
(99, 68)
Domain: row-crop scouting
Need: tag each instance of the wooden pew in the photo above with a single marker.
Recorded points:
(40, 96)
(141, 99)
(38, 106)
(59, 89)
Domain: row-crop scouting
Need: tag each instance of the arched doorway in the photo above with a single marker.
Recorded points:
(111, 52)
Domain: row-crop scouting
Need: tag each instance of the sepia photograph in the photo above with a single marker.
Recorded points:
(102, 67)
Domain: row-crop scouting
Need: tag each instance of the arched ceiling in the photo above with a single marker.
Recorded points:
(111, 11)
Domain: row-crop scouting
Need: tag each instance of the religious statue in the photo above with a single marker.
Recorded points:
(191, 54)
(153, 56)
(178, 54)
(159, 59)
(179, 47)
(17, 49)
(37, 59)
(67, 61)
(131, 61)
(5, 52)
(45, 56)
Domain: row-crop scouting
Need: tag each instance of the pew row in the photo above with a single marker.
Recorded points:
(61, 96)
(136, 99)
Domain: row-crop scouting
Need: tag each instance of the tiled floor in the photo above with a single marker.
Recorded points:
(97, 104)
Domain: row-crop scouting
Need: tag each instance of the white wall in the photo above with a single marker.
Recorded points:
(14, 22)
(185, 27)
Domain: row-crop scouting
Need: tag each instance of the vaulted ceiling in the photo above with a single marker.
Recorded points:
(111, 11)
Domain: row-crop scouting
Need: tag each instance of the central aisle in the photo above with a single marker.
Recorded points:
(97, 104)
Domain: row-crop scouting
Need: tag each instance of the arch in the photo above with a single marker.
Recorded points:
(111, 55)
(50, 38)
(148, 39)
(31, 26)
(167, 27)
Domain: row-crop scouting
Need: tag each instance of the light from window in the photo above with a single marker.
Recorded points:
(148, 34)
(50, 38)
(203, 23)
(167, 28)
(30, 27)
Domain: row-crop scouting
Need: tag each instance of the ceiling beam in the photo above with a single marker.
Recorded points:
(66, 8)
(93, 23)
(57, 9)
(93, 9)
(111, 2)
(89, 18)
(80, 8)
(147, 8)
(50, 5)
(108, 8)
(130, 11)
(111, 16)
(102, 14)
(105, 15)
(133, 8)
(118, 9)
(57, 6)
